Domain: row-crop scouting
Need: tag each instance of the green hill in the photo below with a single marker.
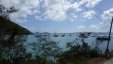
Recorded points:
(7, 27)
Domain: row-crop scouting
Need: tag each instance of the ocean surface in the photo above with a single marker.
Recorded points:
(63, 40)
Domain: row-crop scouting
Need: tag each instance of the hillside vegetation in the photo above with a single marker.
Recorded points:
(7, 27)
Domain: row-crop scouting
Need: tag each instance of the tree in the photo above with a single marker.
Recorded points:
(47, 49)
(6, 11)
(83, 36)
(9, 51)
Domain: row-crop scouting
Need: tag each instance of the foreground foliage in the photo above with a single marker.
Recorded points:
(46, 51)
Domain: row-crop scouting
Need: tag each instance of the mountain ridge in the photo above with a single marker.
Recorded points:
(7, 27)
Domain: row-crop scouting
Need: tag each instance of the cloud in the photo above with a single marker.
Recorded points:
(94, 28)
(59, 10)
(89, 14)
(100, 27)
(26, 7)
(56, 10)
(81, 27)
(104, 25)
(92, 3)
(107, 14)
(90, 28)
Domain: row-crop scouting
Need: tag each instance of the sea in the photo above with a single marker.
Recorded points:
(64, 38)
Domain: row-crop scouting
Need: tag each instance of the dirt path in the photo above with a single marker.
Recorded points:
(109, 61)
(97, 61)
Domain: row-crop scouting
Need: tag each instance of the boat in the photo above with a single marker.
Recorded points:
(62, 35)
(103, 38)
(55, 35)
(37, 34)
(69, 34)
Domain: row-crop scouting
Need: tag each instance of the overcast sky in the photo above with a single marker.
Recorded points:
(62, 15)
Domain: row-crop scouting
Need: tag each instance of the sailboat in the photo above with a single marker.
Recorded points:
(55, 35)
(62, 35)
(69, 34)
(38, 34)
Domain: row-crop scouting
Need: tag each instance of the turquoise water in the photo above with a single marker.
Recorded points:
(74, 37)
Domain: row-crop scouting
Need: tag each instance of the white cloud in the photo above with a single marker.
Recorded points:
(94, 28)
(104, 25)
(92, 3)
(57, 10)
(90, 28)
(107, 14)
(101, 27)
(89, 14)
(25, 8)
(81, 27)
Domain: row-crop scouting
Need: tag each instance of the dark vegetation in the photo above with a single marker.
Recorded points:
(79, 54)
(45, 50)
(8, 27)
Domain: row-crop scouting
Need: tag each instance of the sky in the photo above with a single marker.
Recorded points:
(62, 16)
